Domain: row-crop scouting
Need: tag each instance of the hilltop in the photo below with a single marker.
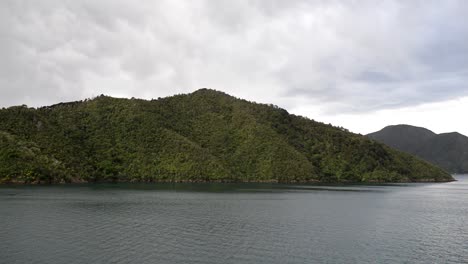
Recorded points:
(203, 136)
(447, 150)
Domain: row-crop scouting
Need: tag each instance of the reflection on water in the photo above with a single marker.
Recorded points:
(235, 223)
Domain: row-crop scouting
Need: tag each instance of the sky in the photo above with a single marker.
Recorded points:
(361, 64)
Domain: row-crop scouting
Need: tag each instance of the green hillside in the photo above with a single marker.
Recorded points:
(203, 136)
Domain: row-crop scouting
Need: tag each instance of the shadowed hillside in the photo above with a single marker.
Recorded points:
(447, 150)
(203, 136)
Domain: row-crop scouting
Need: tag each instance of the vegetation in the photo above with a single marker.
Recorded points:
(203, 136)
(447, 150)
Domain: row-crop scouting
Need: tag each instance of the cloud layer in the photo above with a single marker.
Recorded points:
(353, 57)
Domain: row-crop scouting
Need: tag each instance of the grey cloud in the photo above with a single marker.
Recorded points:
(374, 77)
(344, 56)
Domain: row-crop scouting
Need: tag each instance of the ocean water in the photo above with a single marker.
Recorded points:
(235, 223)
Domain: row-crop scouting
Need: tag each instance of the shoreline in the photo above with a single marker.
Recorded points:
(312, 182)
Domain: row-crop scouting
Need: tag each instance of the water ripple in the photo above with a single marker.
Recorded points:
(408, 223)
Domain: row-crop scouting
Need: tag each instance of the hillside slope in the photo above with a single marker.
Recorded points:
(203, 136)
(447, 150)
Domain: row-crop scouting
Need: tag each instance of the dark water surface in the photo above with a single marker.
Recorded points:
(247, 223)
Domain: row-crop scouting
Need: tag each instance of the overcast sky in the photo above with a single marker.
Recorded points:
(358, 64)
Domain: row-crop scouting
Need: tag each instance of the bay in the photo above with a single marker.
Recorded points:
(235, 223)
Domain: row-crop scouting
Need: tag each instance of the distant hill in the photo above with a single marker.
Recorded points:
(447, 150)
(203, 136)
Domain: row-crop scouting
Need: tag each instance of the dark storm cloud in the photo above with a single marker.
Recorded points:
(344, 56)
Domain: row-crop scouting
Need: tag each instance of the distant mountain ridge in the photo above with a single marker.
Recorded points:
(447, 150)
(204, 136)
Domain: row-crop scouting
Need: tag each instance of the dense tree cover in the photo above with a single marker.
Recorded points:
(22, 161)
(203, 136)
(447, 150)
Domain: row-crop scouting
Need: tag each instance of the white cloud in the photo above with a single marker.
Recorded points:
(329, 57)
(440, 117)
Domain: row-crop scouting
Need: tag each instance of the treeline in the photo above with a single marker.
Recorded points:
(203, 136)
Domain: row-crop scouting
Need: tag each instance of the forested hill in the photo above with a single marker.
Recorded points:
(447, 150)
(203, 136)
